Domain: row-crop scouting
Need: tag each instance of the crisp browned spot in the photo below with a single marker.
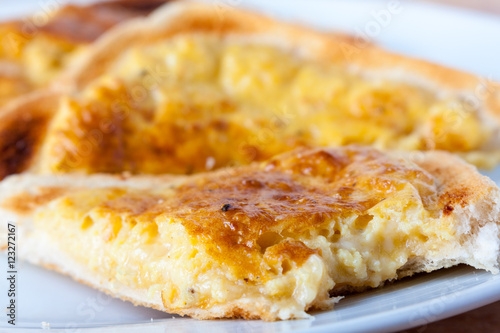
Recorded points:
(25, 203)
(459, 197)
(447, 210)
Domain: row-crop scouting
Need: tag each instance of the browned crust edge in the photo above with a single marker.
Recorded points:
(23, 125)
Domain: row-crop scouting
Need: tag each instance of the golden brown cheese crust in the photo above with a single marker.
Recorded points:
(245, 213)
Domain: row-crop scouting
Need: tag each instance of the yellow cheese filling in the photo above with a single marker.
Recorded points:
(282, 233)
(197, 102)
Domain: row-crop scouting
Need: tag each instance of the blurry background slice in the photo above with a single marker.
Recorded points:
(191, 89)
(34, 50)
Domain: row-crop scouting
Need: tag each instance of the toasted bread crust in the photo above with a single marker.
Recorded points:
(470, 199)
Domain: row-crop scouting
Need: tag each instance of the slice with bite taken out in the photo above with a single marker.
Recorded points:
(270, 240)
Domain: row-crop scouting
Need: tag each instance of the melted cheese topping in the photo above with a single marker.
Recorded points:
(279, 235)
(197, 102)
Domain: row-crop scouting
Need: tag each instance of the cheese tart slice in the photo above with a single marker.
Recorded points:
(192, 88)
(270, 240)
(34, 50)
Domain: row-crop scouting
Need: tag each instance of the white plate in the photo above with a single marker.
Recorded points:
(453, 37)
